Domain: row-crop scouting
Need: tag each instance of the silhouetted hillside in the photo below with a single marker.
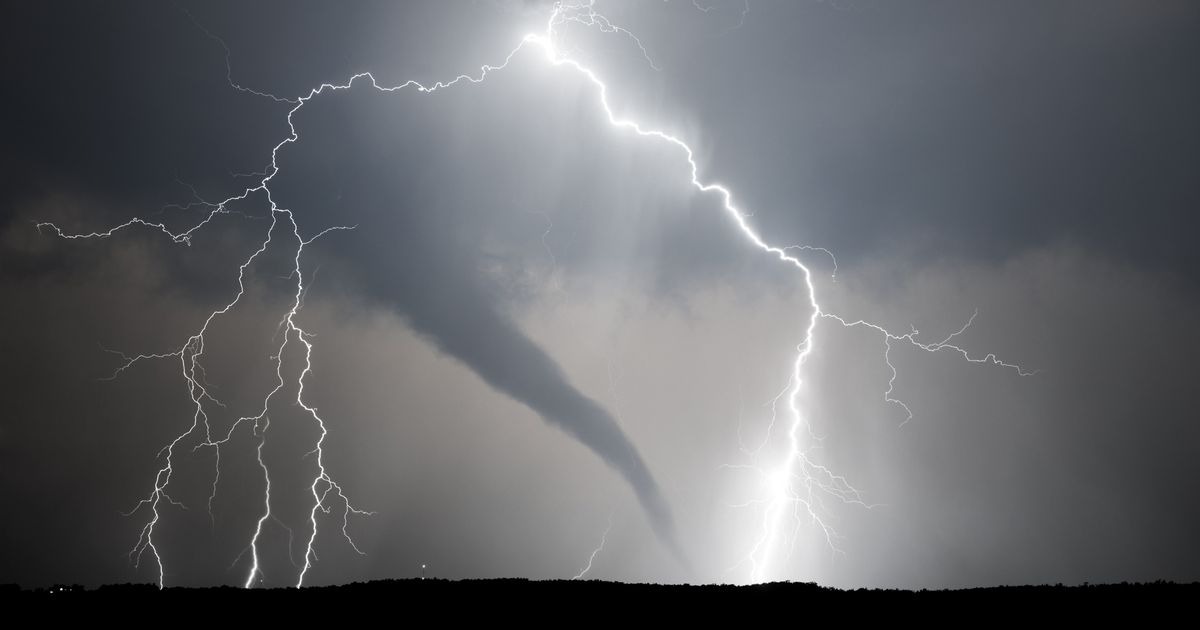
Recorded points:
(453, 601)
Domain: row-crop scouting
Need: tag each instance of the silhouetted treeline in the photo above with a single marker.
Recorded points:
(440, 602)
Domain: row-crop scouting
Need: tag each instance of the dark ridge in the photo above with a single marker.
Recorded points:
(457, 599)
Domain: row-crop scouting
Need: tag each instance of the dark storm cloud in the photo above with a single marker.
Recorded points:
(1034, 160)
(973, 127)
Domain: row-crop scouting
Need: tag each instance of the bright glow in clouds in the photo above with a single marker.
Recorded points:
(792, 484)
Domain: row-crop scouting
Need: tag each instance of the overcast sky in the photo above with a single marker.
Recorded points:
(538, 327)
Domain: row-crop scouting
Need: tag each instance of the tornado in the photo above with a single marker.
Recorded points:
(462, 320)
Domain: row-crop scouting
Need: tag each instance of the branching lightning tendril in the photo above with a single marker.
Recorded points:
(795, 485)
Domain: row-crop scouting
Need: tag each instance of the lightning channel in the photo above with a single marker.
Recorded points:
(595, 552)
(795, 487)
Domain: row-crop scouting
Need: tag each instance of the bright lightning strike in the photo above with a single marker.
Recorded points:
(595, 552)
(794, 484)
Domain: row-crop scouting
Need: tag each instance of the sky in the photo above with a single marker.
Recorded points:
(536, 343)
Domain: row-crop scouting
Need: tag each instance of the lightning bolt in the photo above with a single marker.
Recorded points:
(596, 551)
(794, 484)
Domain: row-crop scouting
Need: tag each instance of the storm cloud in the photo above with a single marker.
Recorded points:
(526, 289)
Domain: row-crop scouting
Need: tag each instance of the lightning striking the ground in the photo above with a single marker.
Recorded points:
(592, 558)
(793, 485)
